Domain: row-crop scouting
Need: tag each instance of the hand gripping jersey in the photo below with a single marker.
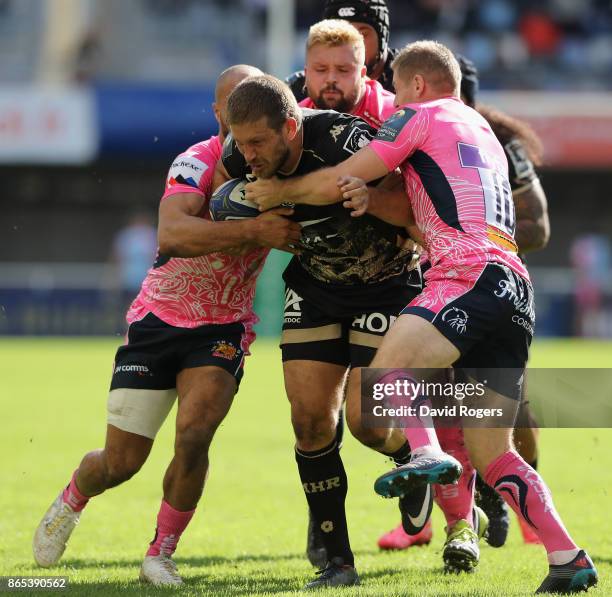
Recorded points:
(375, 106)
(456, 176)
(212, 289)
(346, 258)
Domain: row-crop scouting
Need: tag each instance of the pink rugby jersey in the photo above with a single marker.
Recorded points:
(375, 106)
(456, 176)
(212, 289)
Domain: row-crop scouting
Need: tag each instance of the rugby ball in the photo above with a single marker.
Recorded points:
(228, 202)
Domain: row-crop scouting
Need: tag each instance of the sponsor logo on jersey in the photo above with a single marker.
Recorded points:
(359, 137)
(293, 308)
(336, 130)
(519, 295)
(392, 127)
(346, 11)
(377, 323)
(224, 350)
(524, 323)
(141, 370)
(456, 318)
(186, 170)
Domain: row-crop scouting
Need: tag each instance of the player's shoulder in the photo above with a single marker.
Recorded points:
(316, 121)
(393, 126)
(328, 129)
(195, 165)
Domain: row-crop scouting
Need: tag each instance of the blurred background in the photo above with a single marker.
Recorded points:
(98, 96)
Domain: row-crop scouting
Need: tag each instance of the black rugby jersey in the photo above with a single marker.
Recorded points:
(340, 253)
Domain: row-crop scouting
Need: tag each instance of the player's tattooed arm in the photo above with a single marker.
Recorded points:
(532, 223)
(319, 187)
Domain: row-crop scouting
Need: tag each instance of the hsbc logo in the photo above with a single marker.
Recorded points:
(347, 11)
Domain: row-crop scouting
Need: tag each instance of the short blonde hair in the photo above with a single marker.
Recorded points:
(431, 59)
(336, 32)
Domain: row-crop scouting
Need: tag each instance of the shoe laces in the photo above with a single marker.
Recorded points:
(169, 567)
(64, 518)
(462, 532)
(330, 570)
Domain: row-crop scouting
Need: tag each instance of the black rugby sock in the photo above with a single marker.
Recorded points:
(401, 456)
(325, 486)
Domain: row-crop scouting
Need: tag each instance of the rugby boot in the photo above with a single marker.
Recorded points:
(425, 466)
(496, 510)
(577, 575)
(461, 552)
(399, 539)
(335, 574)
(53, 532)
(415, 508)
(160, 571)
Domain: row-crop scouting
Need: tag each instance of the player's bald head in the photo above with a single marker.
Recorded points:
(226, 82)
(230, 77)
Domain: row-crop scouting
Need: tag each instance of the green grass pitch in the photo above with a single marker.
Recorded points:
(248, 535)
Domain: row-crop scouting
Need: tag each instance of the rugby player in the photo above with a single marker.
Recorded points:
(335, 74)
(371, 19)
(523, 151)
(335, 78)
(477, 289)
(342, 291)
(190, 328)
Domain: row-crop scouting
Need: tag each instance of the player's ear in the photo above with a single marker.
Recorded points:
(419, 84)
(291, 128)
(364, 71)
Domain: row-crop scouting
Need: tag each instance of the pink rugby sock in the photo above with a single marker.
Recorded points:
(419, 430)
(456, 501)
(73, 497)
(527, 494)
(170, 525)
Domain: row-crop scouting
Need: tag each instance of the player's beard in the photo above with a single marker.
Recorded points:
(342, 104)
(272, 166)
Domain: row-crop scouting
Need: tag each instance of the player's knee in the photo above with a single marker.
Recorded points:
(311, 431)
(122, 467)
(191, 445)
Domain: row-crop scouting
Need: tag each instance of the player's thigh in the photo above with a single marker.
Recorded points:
(315, 389)
(205, 395)
(210, 370)
(142, 389)
(414, 342)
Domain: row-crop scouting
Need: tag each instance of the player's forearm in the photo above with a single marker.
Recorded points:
(316, 188)
(531, 235)
(389, 205)
(193, 237)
